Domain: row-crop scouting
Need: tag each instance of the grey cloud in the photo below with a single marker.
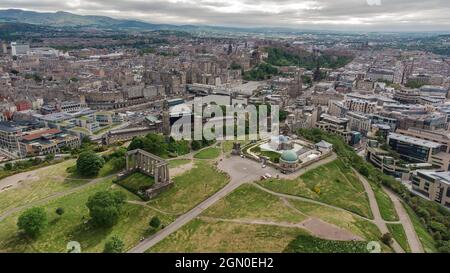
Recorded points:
(325, 14)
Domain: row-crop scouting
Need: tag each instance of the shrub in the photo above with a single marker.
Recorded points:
(33, 221)
(114, 245)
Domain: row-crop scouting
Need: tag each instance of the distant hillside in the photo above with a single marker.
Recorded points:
(66, 19)
(62, 19)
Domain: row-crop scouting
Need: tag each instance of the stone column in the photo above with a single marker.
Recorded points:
(156, 176)
(167, 173)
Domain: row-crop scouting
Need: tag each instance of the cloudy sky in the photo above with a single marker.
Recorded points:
(388, 15)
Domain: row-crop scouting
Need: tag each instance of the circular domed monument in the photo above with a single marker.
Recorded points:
(289, 160)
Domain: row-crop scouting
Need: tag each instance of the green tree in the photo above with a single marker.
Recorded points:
(89, 164)
(114, 245)
(154, 222)
(105, 207)
(33, 221)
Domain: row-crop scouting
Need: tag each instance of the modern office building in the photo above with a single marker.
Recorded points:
(440, 136)
(433, 185)
(413, 149)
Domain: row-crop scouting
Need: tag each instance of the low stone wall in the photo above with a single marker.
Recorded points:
(157, 189)
(151, 192)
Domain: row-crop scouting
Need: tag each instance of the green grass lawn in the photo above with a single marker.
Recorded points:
(107, 169)
(249, 202)
(190, 188)
(178, 162)
(309, 244)
(273, 156)
(385, 204)
(208, 153)
(44, 183)
(71, 225)
(333, 183)
(200, 236)
(428, 243)
(137, 182)
(399, 235)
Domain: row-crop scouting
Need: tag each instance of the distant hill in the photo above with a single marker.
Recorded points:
(62, 19)
(66, 19)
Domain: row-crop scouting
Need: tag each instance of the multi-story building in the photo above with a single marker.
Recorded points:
(46, 141)
(10, 135)
(382, 160)
(438, 136)
(391, 122)
(413, 149)
(377, 74)
(337, 109)
(359, 123)
(361, 106)
(407, 96)
(433, 185)
(335, 125)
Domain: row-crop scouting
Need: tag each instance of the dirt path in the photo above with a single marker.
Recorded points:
(181, 169)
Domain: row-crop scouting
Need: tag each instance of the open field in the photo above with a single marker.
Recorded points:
(208, 153)
(249, 202)
(399, 235)
(242, 214)
(72, 226)
(39, 184)
(425, 238)
(333, 183)
(178, 162)
(190, 188)
(211, 236)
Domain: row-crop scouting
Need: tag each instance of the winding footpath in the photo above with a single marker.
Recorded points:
(377, 219)
(411, 235)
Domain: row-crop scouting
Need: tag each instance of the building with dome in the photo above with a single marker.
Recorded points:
(289, 161)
